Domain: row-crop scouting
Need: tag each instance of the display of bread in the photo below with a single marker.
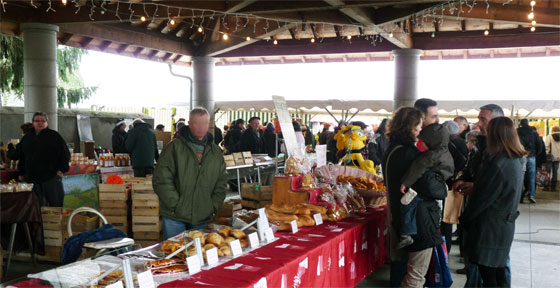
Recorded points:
(316, 208)
(244, 243)
(279, 216)
(226, 251)
(215, 239)
(209, 246)
(362, 183)
(302, 213)
(175, 269)
(194, 234)
(111, 278)
(282, 208)
(163, 263)
(303, 210)
(229, 239)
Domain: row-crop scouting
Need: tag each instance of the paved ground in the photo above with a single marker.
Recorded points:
(535, 252)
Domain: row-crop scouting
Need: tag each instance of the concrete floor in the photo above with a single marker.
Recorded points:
(535, 252)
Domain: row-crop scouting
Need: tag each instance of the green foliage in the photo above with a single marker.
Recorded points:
(70, 86)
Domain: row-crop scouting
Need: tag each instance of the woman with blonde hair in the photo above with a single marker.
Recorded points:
(490, 214)
(552, 145)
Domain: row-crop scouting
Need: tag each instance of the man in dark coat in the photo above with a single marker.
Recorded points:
(44, 157)
(14, 151)
(119, 134)
(142, 145)
(530, 140)
(252, 138)
(270, 140)
(232, 140)
(463, 124)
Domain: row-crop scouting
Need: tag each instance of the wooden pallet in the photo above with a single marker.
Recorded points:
(145, 208)
(115, 211)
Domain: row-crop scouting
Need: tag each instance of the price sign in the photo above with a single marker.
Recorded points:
(236, 248)
(318, 219)
(212, 256)
(269, 235)
(294, 226)
(254, 240)
(193, 263)
(145, 280)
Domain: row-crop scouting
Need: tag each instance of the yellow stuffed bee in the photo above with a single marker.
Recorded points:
(352, 140)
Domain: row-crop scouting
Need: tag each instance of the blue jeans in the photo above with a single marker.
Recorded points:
(173, 227)
(408, 217)
(530, 175)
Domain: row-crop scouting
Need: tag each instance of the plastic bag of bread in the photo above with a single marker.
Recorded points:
(308, 182)
(340, 193)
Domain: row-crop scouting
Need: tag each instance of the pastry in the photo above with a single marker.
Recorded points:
(237, 233)
(224, 231)
(225, 250)
(215, 239)
(229, 239)
(244, 243)
(170, 270)
(302, 210)
(162, 263)
(306, 220)
(195, 234)
(209, 246)
(111, 278)
(316, 209)
(277, 216)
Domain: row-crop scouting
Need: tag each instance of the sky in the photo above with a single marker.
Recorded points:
(128, 82)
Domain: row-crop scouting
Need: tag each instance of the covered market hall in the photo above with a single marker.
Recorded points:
(226, 191)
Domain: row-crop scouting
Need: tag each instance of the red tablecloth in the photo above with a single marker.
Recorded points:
(335, 254)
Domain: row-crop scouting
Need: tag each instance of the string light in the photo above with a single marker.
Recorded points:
(486, 32)
(143, 18)
(391, 34)
(533, 29)
(533, 3)
(225, 37)
(349, 37)
(200, 29)
(275, 42)
(312, 40)
(531, 15)
(533, 22)
(172, 21)
(248, 38)
(64, 2)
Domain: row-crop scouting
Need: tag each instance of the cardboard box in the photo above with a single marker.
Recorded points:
(238, 158)
(228, 208)
(247, 157)
(229, 160)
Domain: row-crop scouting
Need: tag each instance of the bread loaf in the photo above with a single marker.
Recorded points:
(306, 220)
(302, 210)
(316, 209)
(195, 234)
(237, 233)
(225, 231)
(215, 239)
(225, 250)
(277, 216)
(244, 243)
(283, 208)
(229, 239)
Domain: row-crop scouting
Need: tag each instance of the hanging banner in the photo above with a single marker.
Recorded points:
(285, 121)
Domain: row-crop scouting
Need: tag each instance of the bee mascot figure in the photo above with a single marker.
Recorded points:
(352, 140)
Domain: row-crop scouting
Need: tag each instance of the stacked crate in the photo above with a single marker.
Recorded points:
(255, 196)
(55, 231)
(146, 222)
(114, 204)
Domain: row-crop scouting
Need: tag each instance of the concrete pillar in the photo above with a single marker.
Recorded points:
(406, 77)
(203, 78)
(39, 71)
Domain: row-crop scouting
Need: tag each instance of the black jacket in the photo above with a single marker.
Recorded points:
(218, 135)
(474, 161)
(377, 147)
(252, 140)
(13, 151)
(42, 155)
(530, 140)
(459, 151)
(118, 140)
(232, 140)
(430, 187)
(489, 216)
(270, 142)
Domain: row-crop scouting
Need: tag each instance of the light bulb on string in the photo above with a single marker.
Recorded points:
(64, 2)
(433, 34)
(275, 42)
(391, 34)
(200, 29)
(533, 22)
(312, 40)
(248, 38)
(486, 32)
(225, 37)
(533, 29)
(349, 37)
(172, 21)
(143, 19)
(533, 3)
(531, 15)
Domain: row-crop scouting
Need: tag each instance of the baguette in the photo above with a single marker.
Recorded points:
(277, 216)
(283, 208)
(316, 209)
(306, 220)
(302, 210)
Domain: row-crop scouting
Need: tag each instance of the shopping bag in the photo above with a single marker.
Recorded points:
(452, 207)
(543, 178)
(438, 272)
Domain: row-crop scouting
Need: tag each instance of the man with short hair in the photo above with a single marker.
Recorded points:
(252, 138)
(530, 140)
(190, 178)
(44, 158)
(466, 180)
(464, 126)
(141, 143)
(429, 110)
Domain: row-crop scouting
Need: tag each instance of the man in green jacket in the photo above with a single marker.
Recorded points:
(140, 142)
(190, 178)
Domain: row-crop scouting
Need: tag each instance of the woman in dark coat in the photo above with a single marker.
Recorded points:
(490, 214)
(270, 140)
(410, 264)
(119, 136)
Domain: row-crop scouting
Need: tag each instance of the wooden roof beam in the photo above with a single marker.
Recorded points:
(64, 39)
(293, 33)
(402, 40)
(104, 45)
(510, 14)
(122, 48)
(127, 36)
(86, 42)
(219, 47)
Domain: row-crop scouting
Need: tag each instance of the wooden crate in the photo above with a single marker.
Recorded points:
(146, 223)
(119, 222)
(147, 238)
(56, 219)
(249, 191)
(55, 237)
(112, 192)
(254, 204)
(122, 210)
(52, 254)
